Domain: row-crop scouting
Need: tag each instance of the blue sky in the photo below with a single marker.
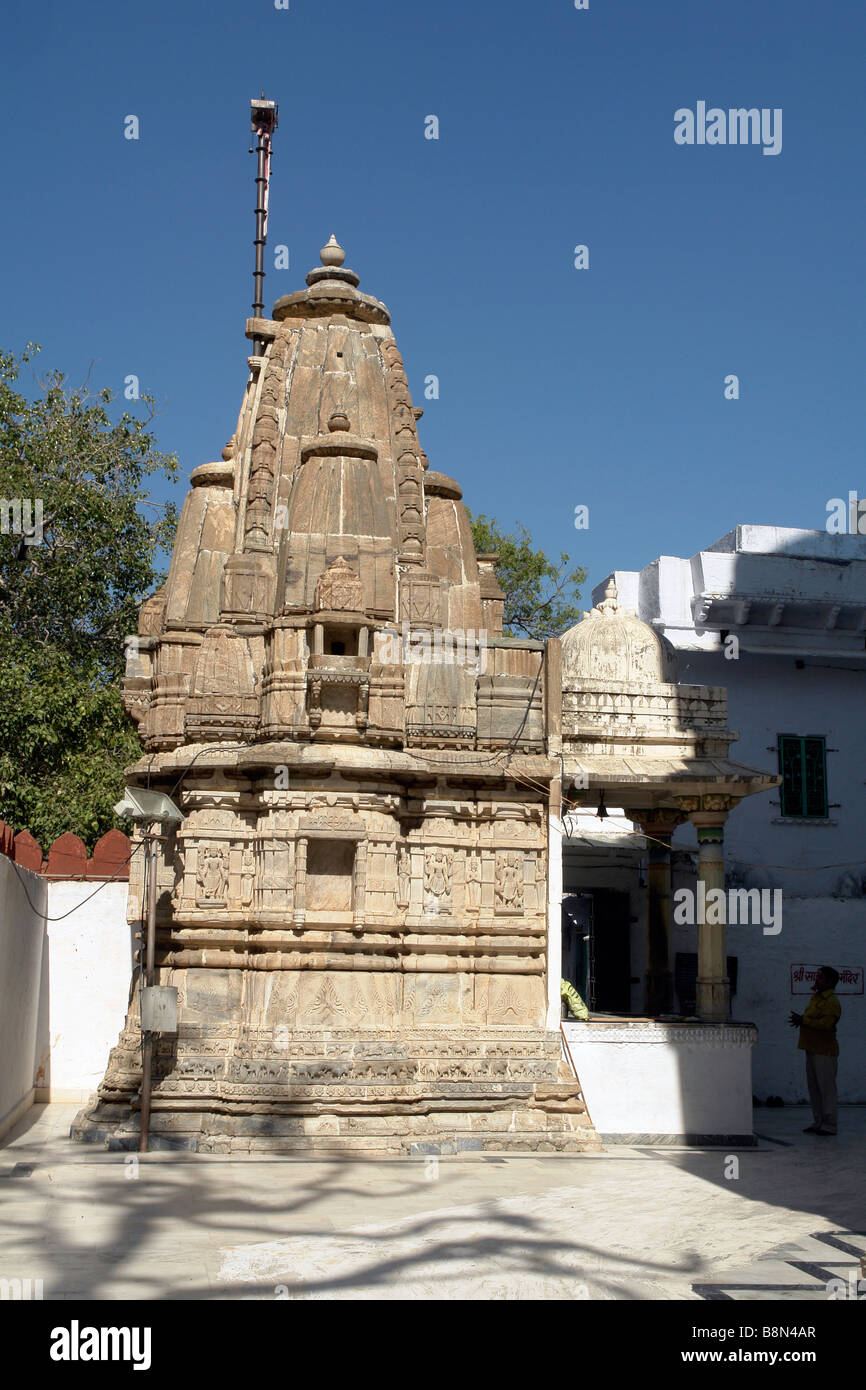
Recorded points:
(558, 387)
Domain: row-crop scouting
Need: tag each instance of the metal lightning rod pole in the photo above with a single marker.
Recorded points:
(264, 116)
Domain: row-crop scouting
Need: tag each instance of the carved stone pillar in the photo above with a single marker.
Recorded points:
(360, 884)
(659, 825)
(300, 905)
(714, 990)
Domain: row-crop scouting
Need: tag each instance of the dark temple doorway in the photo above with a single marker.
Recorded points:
(596, 948)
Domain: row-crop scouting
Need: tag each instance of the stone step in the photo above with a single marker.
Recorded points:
(442, 1145)
(374, 1145)
(419, 1135)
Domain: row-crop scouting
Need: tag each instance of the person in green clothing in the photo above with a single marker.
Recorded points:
(576, 1006)
(817, 1039)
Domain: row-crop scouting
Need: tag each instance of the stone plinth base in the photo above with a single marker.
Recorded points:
(427, 1092)
(685, 1083)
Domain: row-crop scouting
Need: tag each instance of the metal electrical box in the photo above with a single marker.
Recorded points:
(159, 1009)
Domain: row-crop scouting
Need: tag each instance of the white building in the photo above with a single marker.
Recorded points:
(778, 616)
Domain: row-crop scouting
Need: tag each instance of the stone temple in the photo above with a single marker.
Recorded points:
(354, 910)
(362, 909)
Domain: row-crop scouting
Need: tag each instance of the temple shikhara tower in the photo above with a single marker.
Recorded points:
(354, 910)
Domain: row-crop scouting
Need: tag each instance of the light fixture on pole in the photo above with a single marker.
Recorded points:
(158, 1002)
(602, 809)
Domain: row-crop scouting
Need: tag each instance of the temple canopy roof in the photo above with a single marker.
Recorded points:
(629, 727)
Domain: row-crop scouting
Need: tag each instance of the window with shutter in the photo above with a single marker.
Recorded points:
(803, 768)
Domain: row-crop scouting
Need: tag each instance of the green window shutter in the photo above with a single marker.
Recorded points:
(791, 769)
(803, 768)
(815, 764)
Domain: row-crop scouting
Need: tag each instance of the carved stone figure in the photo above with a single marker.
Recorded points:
(438, 869)
(248, 872)
(509, 881)
(212, 878)
(473, 882)
(404, 875)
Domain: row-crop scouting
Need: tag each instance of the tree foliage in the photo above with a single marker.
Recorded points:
(540, 594)
(68, 600)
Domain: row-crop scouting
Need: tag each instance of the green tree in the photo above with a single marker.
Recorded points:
(69, 593)
(540, 595)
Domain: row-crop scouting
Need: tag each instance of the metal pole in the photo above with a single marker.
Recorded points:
(259, 272)
(264, 116)
(150, 840)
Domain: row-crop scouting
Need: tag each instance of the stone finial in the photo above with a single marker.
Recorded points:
(329, 284)
(339, 420)
(610, 602)
(332, 253)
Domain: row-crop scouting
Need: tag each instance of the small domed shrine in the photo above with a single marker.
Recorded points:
(613, 644)
(658, 750)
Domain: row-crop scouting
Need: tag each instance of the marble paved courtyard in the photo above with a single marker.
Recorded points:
(632, 1223)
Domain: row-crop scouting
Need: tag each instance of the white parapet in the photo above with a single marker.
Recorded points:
(690, 1082)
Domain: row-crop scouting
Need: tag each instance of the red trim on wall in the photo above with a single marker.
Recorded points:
(67, 856)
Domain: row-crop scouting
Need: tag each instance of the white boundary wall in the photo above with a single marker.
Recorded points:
(64, 986)
(85, 989)
(21, 943)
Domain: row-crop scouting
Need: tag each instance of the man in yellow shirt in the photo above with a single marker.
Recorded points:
(570, 996)
(817, 1027)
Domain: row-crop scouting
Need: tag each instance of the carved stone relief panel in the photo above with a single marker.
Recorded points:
(473, 882)
(212, 876)
(421, 600)
(404, 876)
(515, 1000)
(438, 880)
(248, 876)
(508, 882)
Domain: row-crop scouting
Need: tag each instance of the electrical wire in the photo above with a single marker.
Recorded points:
(745, 863)
(522, 778)
(533, 785)
(210, 749)
(102, 885)
(510, 746)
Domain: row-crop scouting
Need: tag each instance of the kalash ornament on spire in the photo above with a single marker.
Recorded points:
(354, 908)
